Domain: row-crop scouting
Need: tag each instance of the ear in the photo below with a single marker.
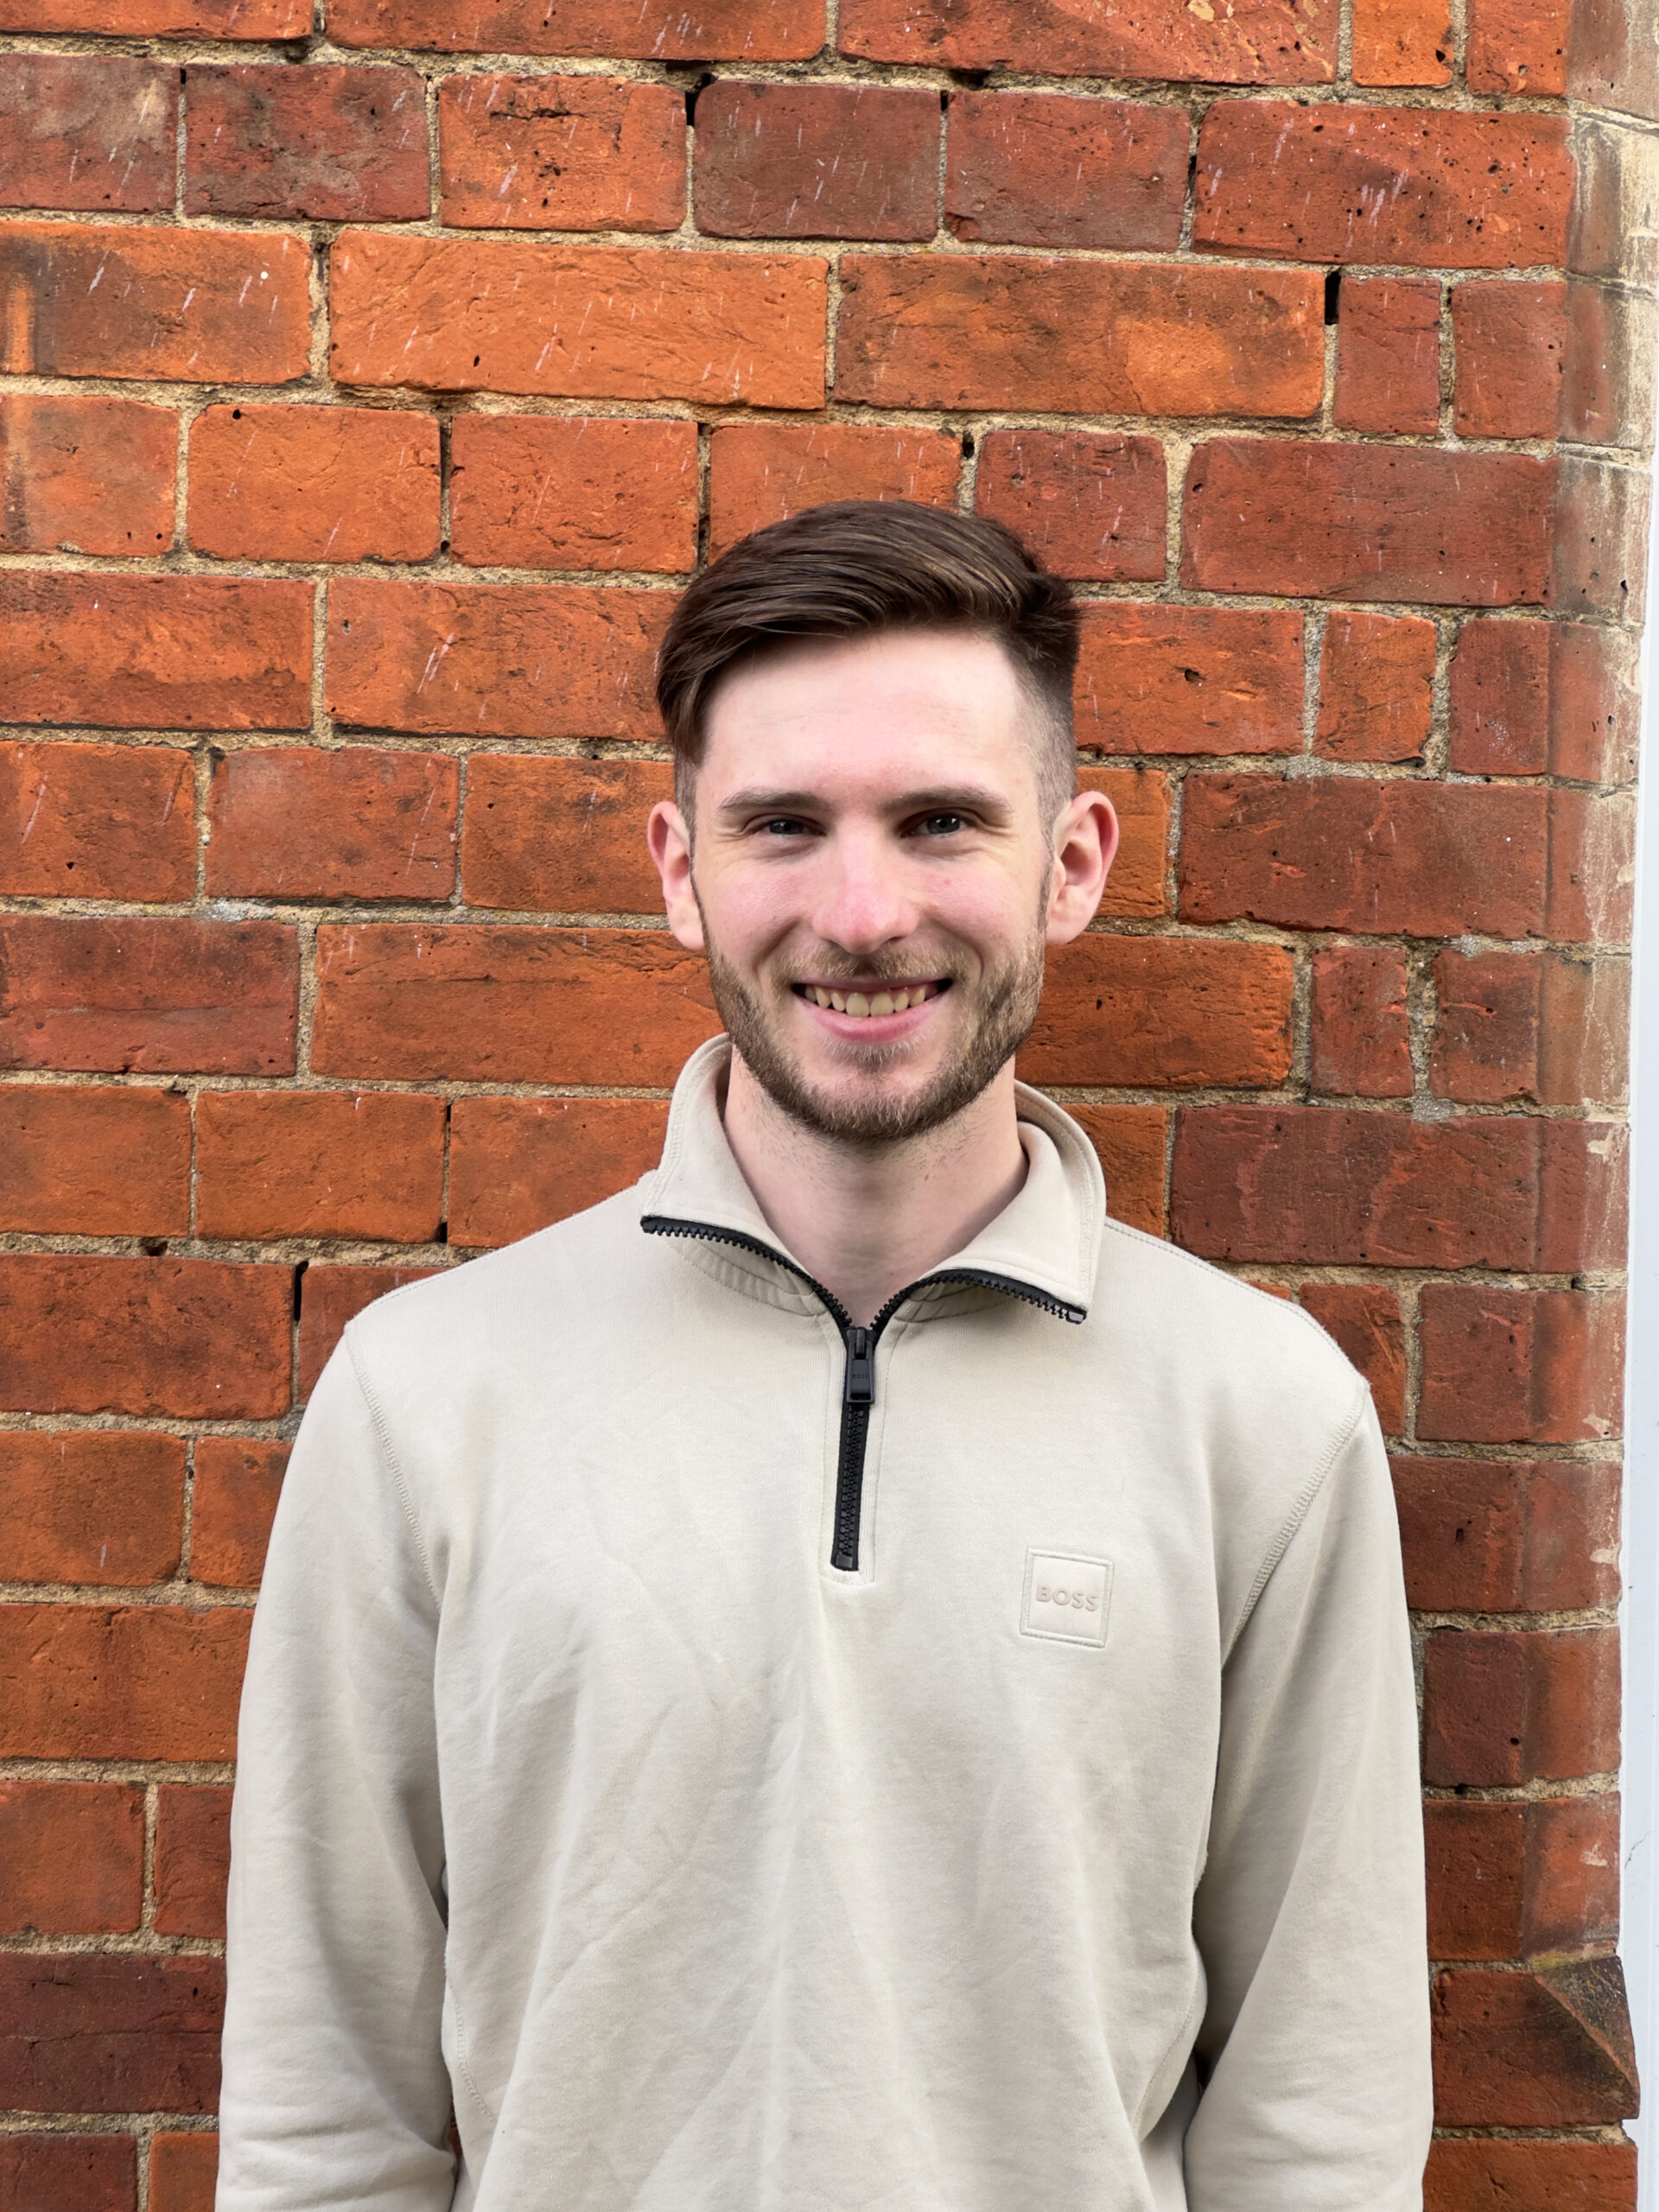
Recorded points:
(668, 838)
(1085, 843)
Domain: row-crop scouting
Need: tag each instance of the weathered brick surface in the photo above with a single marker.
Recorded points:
(320, 1163)
(1517, 46)
(341, 145)
(1529, 698)
(360, 822)
(234, 1499)
(183, 2171)
(1528, 1027)
(329, 1296)
(1481, 2174)
(1388, 355)
(1132, 1141)
(1512, 1706)
(560, 154)
(795, 161)
(193, 1858)
(1376, 686)
(1261, 42)
(103, 1506)
(1361, 1022)
(1402, 42)
(96, 822)
(562, 836)
(712, 30)
(1162, 1010)
(1368, 1326)
(83, 2034)
(1189, 679)
(1512, 357)
(1032, 169)
(588, 491)
(518, 1164)
(71, 1858)
(1550, 2048)
(1507, 1366)
(120, 1682)
(762, 472)
(225, 19)
(1137, 888)
(95, 2173)
(77, 132)
(86, 475)
(314, 484)
(1495, 1536)
(94, 1162)
(1090, 506)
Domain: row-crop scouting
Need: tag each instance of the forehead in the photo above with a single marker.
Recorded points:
(899, 706)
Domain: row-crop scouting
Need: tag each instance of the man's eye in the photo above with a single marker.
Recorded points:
(941, 825)
(782, 825)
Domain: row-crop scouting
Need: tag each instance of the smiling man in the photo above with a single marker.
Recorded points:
(840, 1678)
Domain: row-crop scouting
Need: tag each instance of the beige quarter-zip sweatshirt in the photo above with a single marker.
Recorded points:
(1057, 1850)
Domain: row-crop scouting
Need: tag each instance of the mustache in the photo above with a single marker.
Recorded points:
(878, 968)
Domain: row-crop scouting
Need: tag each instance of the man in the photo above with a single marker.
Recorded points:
(839, 1678)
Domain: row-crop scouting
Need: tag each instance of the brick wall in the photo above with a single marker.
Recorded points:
(369, 391)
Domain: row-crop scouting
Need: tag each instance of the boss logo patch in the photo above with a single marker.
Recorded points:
(1066, 1598)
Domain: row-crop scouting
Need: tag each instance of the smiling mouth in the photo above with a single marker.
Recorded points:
(872, 1004)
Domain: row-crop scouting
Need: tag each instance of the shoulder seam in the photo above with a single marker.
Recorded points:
(1297, 1515)
(384, 1433)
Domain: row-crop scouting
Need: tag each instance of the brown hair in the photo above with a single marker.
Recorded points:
(864, 565)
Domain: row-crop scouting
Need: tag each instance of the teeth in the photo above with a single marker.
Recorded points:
(820, 996)
(871, 1005)
(838, 1000)
(857, 1003)
(901, 1001)
(882, 1002)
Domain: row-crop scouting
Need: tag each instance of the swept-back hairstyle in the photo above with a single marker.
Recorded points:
(865, 565)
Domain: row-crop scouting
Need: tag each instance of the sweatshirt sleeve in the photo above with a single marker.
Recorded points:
(1310, 1914)
(335, 2090)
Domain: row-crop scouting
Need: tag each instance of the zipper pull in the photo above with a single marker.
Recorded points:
(861, 1368)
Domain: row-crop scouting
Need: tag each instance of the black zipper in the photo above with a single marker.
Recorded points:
(858, 1385)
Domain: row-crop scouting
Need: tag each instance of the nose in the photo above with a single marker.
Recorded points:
(863, 903)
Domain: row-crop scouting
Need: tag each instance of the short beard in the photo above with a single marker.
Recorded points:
(1003, 1022)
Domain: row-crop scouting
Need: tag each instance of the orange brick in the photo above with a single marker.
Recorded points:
(1140, 797)
(314, 484)
(1529, 697)
(1133, 1142)
(1365, 1322)
(183, 2172)
(562, 836)
(195, 306)
(193, 1858)
(1478, 2174)
(120, 1681)
(1517, 46)
(1529, 1026)
(1035, 168)
(329, 1296)
(806, 161)
(1388, 355)
(1361, 1024)
(1258, 43)
(319, 1163)
(71, 1858)
(95, 2173)
(1402, 42)
(102, 1506)
(1376, 687)
(518, 1164)
(1171, 1011)
(494, 660)
(90, 132)
(98, 822)
(1511, 342)
(1508, 1366)
(562, 153)
(94, 1162)
(225, 19)
(559, 492)
(611, 322)
(361, 822)
(87, 475)
(758, 473)
(1189, 679)
(341, 145)
(233, 1500)
(664, 30)
(1511, 1706)
(1493, 1536)
(1088, 506)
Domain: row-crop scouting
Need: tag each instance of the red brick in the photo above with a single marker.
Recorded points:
(1476, 1855)
(1132, 1142)
(1530, 1027)
(1391, 857)
(1603, 397)
(1320, 1186)
(1174, 1011)
(188, 306)
(95, 2034)
(1452, 528)
(155, 652)
(314, 484)
(1365, 1322)
(232, 1502)
(320, 1163)
(583, 492)
(518, 1164)
(1425, 187)
(183, 2172)
(222, 19)
(1599, 552)
(579, 322)
(329, 1296)
(1476, 2174)
(1592, 867)
(1388, 355)
(360, 822)
(965, 330)
(1361, 1023)
(802, 161)
(46, 2173)
(1495, 1536)
(71, 1858)
(1512, 357)
(1504, 1366)
(1529, 698)
(1260, 42)
(1550, 2048)
(94, 1162)
(1517, 46)
(514, 1004)
(713, 30)
(82, 131)
(561, 836)
(1572, 1872)
(1090, 505)
(494, 660)
(98, 822)
(562, 153)
(102, 1506)
(157, 996)
(193, 1858)
(341, 145)
(1034, 168)
(1137, 887)
(1513, 1704)
(194, 1338)
(1376, 687)
(120, 1682)
(1160, 679)
(760, 473)
(87, 475)
(1401, 43)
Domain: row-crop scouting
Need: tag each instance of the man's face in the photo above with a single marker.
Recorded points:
(874, 879)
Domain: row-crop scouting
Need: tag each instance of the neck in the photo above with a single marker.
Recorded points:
(866, 1220)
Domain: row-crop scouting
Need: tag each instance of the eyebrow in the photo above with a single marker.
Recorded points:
(946, 798)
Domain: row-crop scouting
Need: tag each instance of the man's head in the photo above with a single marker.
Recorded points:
(871, 712)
